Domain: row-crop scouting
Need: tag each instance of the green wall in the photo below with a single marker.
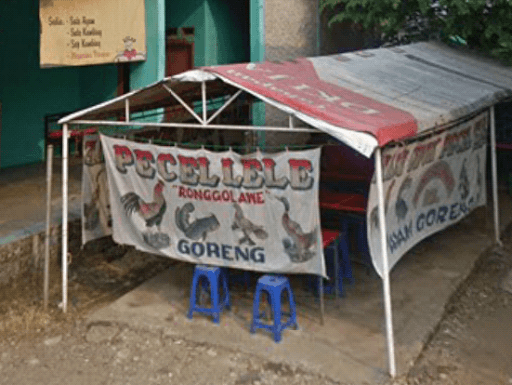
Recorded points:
(27, 92)
(153, 69)
(190, 13)
(257, 30)
(228, 20)
(97, 84)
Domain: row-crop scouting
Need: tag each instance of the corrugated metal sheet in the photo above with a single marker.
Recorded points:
(434, 83)
(365, 98)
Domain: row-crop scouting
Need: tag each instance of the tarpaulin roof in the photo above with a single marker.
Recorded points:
(365, 98)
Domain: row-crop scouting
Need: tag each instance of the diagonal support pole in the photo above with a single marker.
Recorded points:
(230, 100)
(182, 102)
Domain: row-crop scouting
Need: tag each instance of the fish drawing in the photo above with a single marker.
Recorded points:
(199, 228)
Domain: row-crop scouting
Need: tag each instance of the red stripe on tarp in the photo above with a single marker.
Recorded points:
(296, 84)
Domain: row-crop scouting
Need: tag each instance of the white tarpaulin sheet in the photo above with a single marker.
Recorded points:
(254, 212)
(429, 185)
(96, 218)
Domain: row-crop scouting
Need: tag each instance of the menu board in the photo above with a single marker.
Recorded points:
(86, 32)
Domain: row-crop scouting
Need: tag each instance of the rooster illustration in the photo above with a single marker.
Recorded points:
(197, 229)
(247, 227)
(151, 212)
(298, 248)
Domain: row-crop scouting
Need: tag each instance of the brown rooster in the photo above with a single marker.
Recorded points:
(151, 212)
(298, 248)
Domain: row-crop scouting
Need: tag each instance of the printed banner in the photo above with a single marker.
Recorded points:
(96, 218)
(252, 212)
(84, 32)
(429, 185)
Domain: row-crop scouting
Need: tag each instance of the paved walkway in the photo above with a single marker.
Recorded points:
(350, 347)
(23, 199)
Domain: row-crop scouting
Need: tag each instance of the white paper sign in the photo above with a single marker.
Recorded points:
(429, 185)
(253, 212)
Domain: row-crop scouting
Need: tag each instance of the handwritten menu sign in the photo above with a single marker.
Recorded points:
(85, 32)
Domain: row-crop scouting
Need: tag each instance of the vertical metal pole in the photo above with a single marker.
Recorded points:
(321, 294)
(65, 155)
(127, 110)
(336, 269)
(495, 179)
(385, 266)
(203, 95)
(49, 171)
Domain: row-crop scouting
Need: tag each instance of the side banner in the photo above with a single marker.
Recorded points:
(429, 185)
(252, 212)
(96, 218)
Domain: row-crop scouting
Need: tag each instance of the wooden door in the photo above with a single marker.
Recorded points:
(179, 50)
(179, 57)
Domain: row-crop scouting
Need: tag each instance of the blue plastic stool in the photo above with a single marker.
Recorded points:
(359, 222)
(274, 286)
(243, 278)
(216, 277)
(339, 266)
(337, 261)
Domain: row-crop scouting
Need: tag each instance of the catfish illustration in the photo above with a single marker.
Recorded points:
(197, 229)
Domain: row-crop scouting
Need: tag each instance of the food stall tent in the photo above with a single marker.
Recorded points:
(369, 100)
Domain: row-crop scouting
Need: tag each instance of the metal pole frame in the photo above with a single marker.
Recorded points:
(228, 102)
(495, 178)
(321, 294)
(193, 125)
(49, 171)
(385, 276)
(203, 100)
(65, 156)
(182, 102)
(127, 110)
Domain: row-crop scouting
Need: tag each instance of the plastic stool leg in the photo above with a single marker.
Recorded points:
(338, 288)
(345, 259)
(255, 310)
(192, 301)
(214, 297)
(293, 307)
(225, 286)
(275, 299)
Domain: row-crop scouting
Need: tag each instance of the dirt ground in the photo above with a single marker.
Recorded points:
(471, 344)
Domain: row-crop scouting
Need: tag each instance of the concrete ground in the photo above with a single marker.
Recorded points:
(23, 198)
(349, 347)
